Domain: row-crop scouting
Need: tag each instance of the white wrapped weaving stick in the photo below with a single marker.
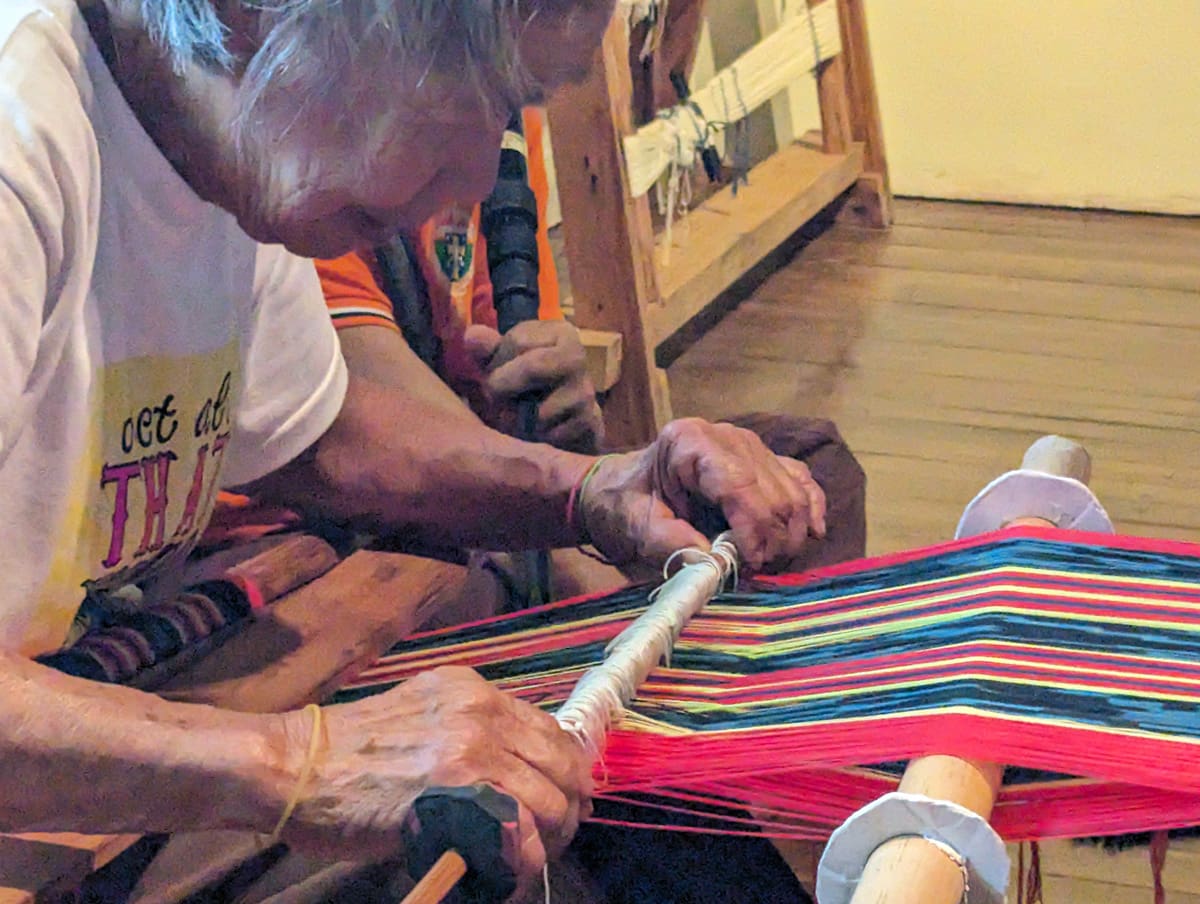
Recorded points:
(600, 697)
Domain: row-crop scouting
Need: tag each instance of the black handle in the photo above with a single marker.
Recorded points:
(509, 219)
(478, 822)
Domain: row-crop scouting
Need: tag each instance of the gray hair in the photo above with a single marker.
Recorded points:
(189, 31)
(312, 44)
(330, 59)
(313, 99)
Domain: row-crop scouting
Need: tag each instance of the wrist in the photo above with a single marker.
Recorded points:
(261, 771)
(577, 521)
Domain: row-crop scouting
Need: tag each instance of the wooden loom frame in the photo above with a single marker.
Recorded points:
(618, 284)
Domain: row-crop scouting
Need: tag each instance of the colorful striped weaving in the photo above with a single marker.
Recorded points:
(1064, 654)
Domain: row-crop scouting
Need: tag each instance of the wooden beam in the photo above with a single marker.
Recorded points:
(726, 236)
(603, 349)
(609, 242)
(871, 203)
(29, 862)
(832, 93)
(296, 653)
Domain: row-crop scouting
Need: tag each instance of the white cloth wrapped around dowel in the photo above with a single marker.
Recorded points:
(1063, 501)
(963, 836)
(600, 697)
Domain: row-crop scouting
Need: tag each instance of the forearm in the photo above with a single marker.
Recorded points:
(97, 758)
(383, 357)
(395, 462)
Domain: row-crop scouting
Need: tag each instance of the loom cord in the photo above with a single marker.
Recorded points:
(1074, 657)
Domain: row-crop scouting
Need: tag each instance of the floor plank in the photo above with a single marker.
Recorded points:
(946, 345)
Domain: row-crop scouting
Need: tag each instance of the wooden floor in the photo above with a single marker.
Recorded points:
(943, 347)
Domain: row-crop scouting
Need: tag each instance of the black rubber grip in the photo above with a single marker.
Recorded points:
(478, 822)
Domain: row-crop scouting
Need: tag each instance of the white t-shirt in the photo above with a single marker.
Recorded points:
(149, 350)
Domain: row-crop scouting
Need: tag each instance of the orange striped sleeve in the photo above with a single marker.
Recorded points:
(352, 294)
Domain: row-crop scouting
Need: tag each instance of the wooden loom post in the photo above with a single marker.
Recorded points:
(911, 870)
(833, 93)
(871, 200)
(608, 234)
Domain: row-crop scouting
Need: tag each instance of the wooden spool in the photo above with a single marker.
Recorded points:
(911, 870)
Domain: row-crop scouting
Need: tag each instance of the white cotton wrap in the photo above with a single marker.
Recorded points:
(1063, 501)
(963, 835)
(600, 697)
(806, 38)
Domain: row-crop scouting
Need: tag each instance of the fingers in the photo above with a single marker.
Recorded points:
(548, 749)
(481, 343)
(666, 534)
(530, 853)
(446, 727)
(770, 503)
(554, 815)
(534, 334)
(817, 504)
(536, 355)
(534, 370)
(569, 418)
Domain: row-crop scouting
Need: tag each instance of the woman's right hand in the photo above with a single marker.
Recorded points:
(447, 727)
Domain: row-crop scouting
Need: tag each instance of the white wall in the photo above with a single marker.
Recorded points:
(1079, 103)
(1091, 103)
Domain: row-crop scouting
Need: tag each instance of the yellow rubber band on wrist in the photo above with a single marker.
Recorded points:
(310, 760)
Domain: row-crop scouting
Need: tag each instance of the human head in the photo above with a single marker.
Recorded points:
(355, 118)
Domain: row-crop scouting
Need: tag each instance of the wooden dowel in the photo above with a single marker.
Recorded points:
(439, 881)
(283, 568)
(911, 870)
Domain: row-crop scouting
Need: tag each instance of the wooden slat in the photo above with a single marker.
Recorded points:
(303, 647)
(604, 350)
(871, 201)
(1117, 271)
(724, 237)
(1148, 248)
(1104, 225)
(31, 861)
(837, 132)
(863, 288)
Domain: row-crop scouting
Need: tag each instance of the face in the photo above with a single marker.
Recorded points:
(442, 146)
